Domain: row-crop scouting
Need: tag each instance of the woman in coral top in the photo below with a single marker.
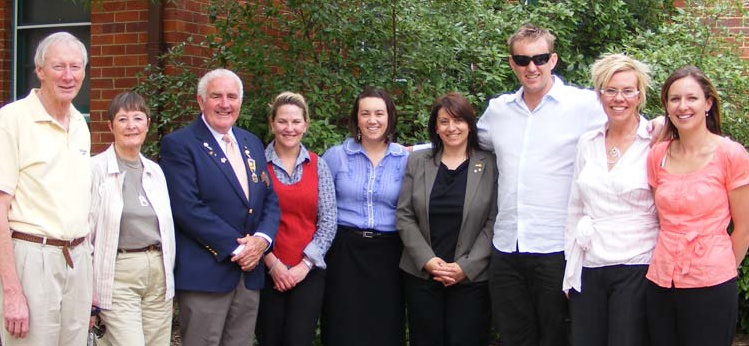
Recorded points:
(290, 306)
(699, 180)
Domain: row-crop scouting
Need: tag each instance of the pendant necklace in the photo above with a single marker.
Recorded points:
(614, 154)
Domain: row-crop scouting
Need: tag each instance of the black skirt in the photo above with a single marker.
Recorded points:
(363, 302)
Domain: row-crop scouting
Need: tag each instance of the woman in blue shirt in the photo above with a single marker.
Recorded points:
(363, 302)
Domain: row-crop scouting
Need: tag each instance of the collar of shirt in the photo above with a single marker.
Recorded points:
(281, 174)
(114, 168)
(555, 93)
(39, 114)
(351, 147)
(642, 129)
(220, 136)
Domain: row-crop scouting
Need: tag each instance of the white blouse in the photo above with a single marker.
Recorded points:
(611, 217)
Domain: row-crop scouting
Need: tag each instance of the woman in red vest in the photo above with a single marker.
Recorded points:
(290, 306)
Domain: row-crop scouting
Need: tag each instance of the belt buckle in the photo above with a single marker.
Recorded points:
(367, 234)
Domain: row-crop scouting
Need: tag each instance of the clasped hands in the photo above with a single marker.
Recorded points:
(285, 278)
(250, 255)
(446, 273)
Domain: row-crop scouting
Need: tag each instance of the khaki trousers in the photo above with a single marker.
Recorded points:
(218, 319)
(59, 297)
(140, 314)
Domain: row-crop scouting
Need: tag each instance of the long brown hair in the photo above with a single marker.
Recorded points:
(713, 114)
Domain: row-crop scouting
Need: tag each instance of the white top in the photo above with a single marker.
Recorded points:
(105, 215)
(535, 155)
(612, 218)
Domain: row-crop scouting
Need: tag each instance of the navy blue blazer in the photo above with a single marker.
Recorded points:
(210, 209)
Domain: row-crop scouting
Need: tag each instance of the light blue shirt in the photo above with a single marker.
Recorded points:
(367, 196)
(535, 155)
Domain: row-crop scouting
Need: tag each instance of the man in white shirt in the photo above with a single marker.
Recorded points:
(534, 133)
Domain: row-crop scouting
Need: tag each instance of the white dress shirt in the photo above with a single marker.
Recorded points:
(612, 218)
(535, 155)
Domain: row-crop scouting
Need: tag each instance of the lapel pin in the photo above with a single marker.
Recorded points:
(208, 147)
(264, 178)
(478, 167)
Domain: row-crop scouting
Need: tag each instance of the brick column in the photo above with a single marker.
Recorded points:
(120, 43)
(6, 11)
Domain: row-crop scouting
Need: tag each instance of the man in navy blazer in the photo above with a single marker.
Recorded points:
(226, 216)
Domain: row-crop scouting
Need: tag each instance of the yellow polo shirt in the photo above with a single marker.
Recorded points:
(46, 169)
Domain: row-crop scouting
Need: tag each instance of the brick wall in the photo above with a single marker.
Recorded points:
(118, 53)
(6, 12)
(738, 25)
(187, 18)
(119, 48)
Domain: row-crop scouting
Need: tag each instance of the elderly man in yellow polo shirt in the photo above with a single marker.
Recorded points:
(45, 177)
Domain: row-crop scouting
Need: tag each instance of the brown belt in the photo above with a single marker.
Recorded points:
(154, 247)
(66, 245)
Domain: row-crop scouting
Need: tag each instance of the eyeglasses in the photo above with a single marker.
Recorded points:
(626, 93)
(538, 60)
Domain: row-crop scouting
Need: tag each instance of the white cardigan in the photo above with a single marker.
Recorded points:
(105, 215)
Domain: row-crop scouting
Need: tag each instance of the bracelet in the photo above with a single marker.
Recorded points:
(308, 263)
(274, 265)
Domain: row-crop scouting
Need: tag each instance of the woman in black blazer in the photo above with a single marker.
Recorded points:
(446, 211)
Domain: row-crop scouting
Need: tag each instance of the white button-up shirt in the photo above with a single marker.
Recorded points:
(615, 206)
(535, 155)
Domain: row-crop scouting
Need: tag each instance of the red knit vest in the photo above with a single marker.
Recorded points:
(298, 204)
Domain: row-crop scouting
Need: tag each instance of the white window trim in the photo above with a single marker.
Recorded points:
(14, 39)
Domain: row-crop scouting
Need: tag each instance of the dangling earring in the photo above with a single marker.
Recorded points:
(358, 135)
(707, 113)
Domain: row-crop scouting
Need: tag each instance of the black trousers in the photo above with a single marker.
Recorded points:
(693, 316)
(528, 305)
(289, 318)
(363, 302)
(440, 316)
(611, 309)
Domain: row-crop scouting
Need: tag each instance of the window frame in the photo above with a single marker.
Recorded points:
(15, 60)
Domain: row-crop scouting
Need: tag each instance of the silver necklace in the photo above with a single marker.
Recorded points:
(614, 154)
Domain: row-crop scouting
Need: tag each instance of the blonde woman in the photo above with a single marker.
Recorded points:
(612, 224)
(291, 300)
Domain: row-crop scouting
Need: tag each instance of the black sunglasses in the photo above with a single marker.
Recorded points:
(538, 60)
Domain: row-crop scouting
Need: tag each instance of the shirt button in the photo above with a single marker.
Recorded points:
(249, 211)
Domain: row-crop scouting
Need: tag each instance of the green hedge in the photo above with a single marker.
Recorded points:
(328, 50)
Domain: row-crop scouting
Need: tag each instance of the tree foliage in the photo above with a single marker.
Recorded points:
(328, 50)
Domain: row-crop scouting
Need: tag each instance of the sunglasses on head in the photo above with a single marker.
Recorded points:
(538, 60)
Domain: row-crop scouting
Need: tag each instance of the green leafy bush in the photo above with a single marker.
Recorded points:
(328, 50)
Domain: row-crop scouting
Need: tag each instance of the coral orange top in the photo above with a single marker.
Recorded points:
(694, 248)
